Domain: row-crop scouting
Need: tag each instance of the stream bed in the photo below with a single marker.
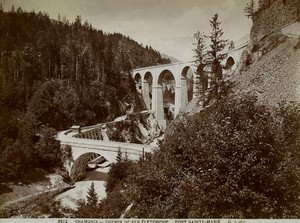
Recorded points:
(70, 198)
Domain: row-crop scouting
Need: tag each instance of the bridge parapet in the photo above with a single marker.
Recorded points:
(90, 134)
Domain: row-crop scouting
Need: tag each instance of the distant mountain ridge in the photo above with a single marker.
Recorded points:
(172, 59)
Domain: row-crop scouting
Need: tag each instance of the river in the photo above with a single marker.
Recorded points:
(70, 198)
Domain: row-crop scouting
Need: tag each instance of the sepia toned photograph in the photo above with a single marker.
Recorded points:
(149, 109)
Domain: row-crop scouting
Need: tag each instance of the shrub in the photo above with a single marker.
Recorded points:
(47, 149)
(88, 208)
(118, 172)
(235, 159)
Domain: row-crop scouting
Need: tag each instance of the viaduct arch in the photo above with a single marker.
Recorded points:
(149, 81)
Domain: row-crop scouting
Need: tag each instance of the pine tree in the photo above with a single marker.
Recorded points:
(200, 52)
(215, 57)
(92, 197)
(231, 45)
(249, 9)
(90, 208)
(78, 21)
(119, 155)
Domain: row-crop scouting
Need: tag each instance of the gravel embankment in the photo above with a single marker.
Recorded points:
(274, 77)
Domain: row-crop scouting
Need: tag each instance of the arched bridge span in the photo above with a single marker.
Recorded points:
(149, 83)
(91, 142)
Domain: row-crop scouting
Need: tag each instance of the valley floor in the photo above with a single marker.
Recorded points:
(25, 200)
(70, 198)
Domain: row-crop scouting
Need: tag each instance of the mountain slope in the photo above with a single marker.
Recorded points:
(173, 59)
(273, 77)
(54, 74)
(89, 63)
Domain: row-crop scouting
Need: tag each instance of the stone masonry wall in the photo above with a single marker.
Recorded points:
(274, 17)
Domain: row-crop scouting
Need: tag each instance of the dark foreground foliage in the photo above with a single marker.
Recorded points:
(233, 159)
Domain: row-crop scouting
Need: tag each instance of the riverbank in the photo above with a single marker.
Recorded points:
(70, 198)
(47, 197)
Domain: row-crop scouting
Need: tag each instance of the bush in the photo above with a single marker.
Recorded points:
(47, 149)
(118, 172)
(114, 205)
(235, 159)
(35, 175)
(117, 201)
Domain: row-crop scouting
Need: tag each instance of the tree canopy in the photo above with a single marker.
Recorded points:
(56, 73)
(234, 159)
(208, 62)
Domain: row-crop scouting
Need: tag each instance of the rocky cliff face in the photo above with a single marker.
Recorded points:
(273, 17)
(139, 128)
(269, 67)
(273, 75)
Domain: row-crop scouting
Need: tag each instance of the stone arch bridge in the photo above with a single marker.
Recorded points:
(90, 145)
(149, 82)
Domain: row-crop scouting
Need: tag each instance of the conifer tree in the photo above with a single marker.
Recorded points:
(215, 55)
(119, 155)
(200, 52)
(249, 9)
(231, 45)
(261, 5)
(92, 197)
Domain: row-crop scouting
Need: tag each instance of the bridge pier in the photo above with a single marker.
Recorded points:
(177, 99)
(184, 92)
(158, 106)
(138, 87)
(146, 92)
(155, 75)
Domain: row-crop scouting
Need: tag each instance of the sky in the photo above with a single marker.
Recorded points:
(165, 25)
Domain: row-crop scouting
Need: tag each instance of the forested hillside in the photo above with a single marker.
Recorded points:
(56, 73)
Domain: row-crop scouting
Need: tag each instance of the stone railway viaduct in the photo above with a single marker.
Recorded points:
(150, 82)
(90, 140)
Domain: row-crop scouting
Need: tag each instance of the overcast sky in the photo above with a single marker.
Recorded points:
(166, 25)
